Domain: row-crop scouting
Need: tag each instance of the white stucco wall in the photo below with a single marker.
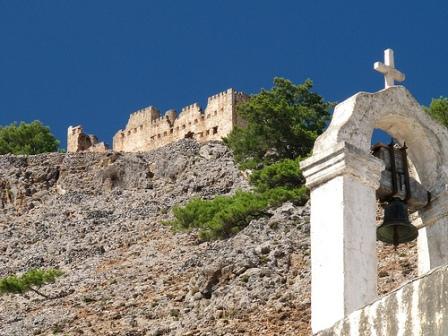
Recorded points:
(418, 308)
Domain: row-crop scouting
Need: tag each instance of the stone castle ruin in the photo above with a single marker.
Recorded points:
(147, 129)
(78, 141)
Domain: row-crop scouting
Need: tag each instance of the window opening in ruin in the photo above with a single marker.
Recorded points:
(216, 113)
(215, 129)
(158, 135)
(207, 132)
(171, 131)
(183, 126)
(189, 135)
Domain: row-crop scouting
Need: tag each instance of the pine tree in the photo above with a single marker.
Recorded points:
(282, 123)
(29, 281)
(27, 138)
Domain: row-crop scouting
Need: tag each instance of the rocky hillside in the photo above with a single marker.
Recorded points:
(100, 218)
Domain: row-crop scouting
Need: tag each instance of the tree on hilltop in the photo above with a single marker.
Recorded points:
(27, 138)
(282, 123)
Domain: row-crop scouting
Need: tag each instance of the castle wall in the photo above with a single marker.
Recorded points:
(148, 130)
(78, 141)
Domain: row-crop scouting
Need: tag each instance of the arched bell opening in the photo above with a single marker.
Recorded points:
(423, 147)
(344, 177)
(396, 263)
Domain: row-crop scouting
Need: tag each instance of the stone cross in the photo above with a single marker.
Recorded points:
(388, 69)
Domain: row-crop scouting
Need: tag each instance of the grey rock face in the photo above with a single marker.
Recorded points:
(99, 217)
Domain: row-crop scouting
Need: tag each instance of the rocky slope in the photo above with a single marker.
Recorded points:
(99, 217)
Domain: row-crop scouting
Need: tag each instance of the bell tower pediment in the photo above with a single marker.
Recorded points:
(397, 112)
(344, 179)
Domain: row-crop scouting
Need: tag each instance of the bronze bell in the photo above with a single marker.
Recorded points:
(396, 227)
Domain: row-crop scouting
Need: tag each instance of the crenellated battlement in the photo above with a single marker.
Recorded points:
(221, 95)
(148, 129)
(195, 107)
(145, 109)
(227, 94)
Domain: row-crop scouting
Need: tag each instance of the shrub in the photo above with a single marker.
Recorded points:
(224, 216)
(285, 173)
(221, 216)
(279, 195)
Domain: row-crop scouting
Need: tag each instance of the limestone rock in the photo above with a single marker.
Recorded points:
(128, 274)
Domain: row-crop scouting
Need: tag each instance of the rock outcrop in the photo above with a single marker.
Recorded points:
(100, 218)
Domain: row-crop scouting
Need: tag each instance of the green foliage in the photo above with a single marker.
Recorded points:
(279, 195)
(221, 216)
(27, 138)
(285, 173)
(282, 123)
(15, 284)
(281, 126)
(438, 109)
(224, 216)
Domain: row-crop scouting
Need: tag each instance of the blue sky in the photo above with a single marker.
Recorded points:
(68, 62)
